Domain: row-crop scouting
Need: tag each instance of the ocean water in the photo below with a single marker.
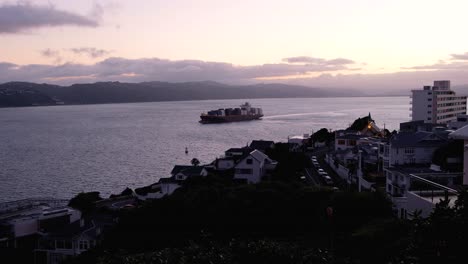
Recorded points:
(59, 151)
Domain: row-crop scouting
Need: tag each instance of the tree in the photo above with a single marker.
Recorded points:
(195, 162)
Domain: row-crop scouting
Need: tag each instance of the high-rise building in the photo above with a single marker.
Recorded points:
(437, 104)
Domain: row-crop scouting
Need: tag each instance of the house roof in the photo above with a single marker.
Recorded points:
(244, 150)
(187, 170)
(461, 133)
(351, 136)
(417, 139)
(261, 144)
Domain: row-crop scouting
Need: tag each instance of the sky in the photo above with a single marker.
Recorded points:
(366, 44)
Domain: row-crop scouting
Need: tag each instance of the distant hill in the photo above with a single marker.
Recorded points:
(461, 89)
(12, 94)
(24, 94)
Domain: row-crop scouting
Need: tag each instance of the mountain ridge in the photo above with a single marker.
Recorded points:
(154, 91)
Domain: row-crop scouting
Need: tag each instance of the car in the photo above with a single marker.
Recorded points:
(314, 157)
(316, 164)
(320, 170)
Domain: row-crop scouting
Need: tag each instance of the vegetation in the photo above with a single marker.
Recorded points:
(195, 162)
(454, 150)
(85, 201)
(290, 164)
(361, 123)
(323, 135)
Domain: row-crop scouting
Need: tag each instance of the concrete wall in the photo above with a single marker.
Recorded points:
(420, 103)
(341, 170)
(420, 155)
(415, 202)
(25, 227)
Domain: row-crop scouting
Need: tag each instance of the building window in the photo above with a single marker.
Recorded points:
(409, 150)
(429, 105)
(341, 142)
(84, 245)
(249, 161)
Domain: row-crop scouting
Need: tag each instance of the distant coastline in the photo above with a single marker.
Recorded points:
(23, 94)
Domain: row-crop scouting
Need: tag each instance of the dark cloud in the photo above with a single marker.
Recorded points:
(150, 69)
(52, 54)
(463, 56)
(318, 61)
(24, 17)
(91, 52)
(155, 69)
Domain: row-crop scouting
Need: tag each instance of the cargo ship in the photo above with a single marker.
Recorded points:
(244, 113)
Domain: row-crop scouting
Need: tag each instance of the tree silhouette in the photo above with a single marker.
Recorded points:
(195, 162)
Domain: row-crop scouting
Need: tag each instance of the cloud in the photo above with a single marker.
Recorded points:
(463, 56)
(318, 61)
(91, 52)
(156, 69)
(149, 69)
(50, 53)
(441, 65)
(24, 17)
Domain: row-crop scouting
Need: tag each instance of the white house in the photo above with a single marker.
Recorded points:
(166, 186)
(347, 141)
(254, 166)
(406, 148)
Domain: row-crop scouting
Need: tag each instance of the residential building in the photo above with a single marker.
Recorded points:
(419, 189)
(437, 104)
(166, 186)
(462, 134)
(47, 228)
(461, 121)
(254, 167)
(407, 148)
(262, 145)
(183, 172)
(347, 141)
(419, 125)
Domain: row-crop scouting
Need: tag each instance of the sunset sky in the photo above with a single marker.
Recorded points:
(356, 43)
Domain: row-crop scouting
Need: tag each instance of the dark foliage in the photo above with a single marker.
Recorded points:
(85, 201)
(323, 135)
(290, 164)
(453, 149)
(360, 123)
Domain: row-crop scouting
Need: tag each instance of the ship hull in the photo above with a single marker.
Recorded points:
(208, 119)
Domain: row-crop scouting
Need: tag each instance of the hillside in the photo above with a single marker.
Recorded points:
(117, 92)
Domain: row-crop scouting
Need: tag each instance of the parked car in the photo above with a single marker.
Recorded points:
(314, 157)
